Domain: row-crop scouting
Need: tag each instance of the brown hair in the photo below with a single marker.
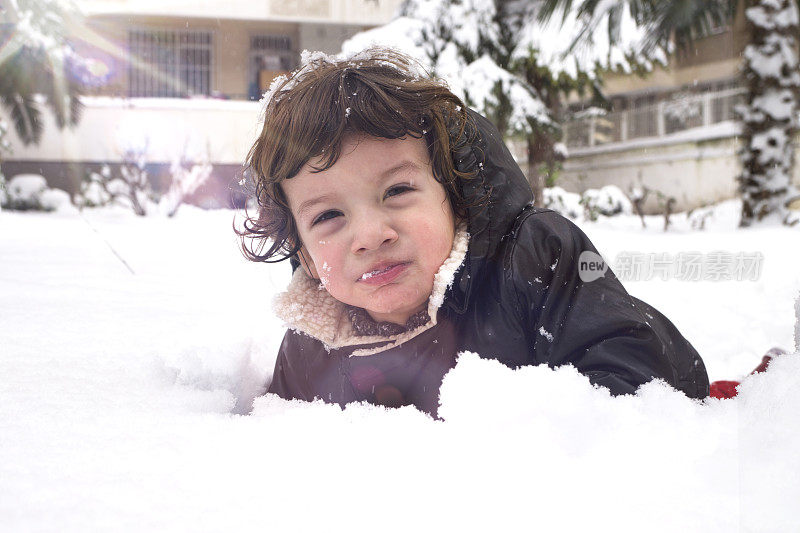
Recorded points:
(309, 114)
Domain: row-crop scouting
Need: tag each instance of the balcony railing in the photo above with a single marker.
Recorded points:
(657, 120)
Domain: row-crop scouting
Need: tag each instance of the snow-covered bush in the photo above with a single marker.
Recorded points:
(55, 199)
(697, 217)
(128, 187)
(93, 192)
(607, 201)
(565, 203)
(29, 192)
(24, 193)
(188, 174)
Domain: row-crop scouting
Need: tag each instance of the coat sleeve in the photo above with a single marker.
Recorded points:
(619, 342)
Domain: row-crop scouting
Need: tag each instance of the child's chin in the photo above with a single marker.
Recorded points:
(406, 308)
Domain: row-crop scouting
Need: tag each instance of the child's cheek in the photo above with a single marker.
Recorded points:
(325, 274)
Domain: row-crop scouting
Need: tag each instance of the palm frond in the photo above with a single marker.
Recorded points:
(549, 7)
(76, 106)
(25, 115)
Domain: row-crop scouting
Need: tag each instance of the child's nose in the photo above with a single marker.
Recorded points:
(370, 232)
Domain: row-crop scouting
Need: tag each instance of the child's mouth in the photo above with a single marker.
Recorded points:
(383, 274)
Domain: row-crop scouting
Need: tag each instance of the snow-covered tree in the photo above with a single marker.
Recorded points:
(509, 64)
(457, 40)
(770, 116)
(38, 67)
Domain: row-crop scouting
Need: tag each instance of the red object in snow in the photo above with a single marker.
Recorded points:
(727, 389)
(723, 389)
(764, 363)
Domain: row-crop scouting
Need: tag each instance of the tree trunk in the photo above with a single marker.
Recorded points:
(540, 151)
(770, 116)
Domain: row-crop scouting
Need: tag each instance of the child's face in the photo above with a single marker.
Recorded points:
(376, 226)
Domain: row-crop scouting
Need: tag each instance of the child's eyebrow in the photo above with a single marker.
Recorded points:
(308, 204)
(400, 167)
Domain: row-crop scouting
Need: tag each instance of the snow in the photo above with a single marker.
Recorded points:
(55, 200)
(608, 200)
(553, 41)
(768, 60)
(779, 105)
(402, 34)
(566, 203)
(775, 18)
(440, 35)
(478, 80)
(797, 323)
(122, 400)
(27, 187)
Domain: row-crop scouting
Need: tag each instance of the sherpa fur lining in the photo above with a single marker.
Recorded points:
(308, 308)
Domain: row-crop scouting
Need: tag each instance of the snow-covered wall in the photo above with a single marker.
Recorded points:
(225, 129)
(218, 131)
(696, 167)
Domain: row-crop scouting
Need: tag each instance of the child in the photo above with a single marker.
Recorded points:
(413, 238)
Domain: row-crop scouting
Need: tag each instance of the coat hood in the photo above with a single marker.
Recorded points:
(499, 178)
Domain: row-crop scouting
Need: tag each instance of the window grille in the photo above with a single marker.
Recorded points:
(169, 63)
(269, 55)
(278, 43)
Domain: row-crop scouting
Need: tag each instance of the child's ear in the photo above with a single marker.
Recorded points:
(307, 263)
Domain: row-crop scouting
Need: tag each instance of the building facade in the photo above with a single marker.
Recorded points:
(170, 75)
(673, 131)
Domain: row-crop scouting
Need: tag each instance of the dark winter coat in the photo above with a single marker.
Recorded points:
(517, 297)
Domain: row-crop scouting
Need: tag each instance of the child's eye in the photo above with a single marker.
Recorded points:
(394, 190)
(326, 215)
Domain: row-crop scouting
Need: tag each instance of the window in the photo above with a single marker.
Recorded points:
(270, 55)
(169, 63)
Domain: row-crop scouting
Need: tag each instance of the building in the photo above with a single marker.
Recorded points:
(179, 75)
(673, 131)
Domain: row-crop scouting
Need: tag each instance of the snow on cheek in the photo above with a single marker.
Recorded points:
(324, 276)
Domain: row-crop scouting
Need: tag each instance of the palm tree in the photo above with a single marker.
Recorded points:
(38, 69)
(667, 22)
(765, 181)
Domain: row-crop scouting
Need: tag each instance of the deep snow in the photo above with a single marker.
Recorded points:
(119, 394)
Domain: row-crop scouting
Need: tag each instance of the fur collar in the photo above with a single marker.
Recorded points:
(308, 308)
